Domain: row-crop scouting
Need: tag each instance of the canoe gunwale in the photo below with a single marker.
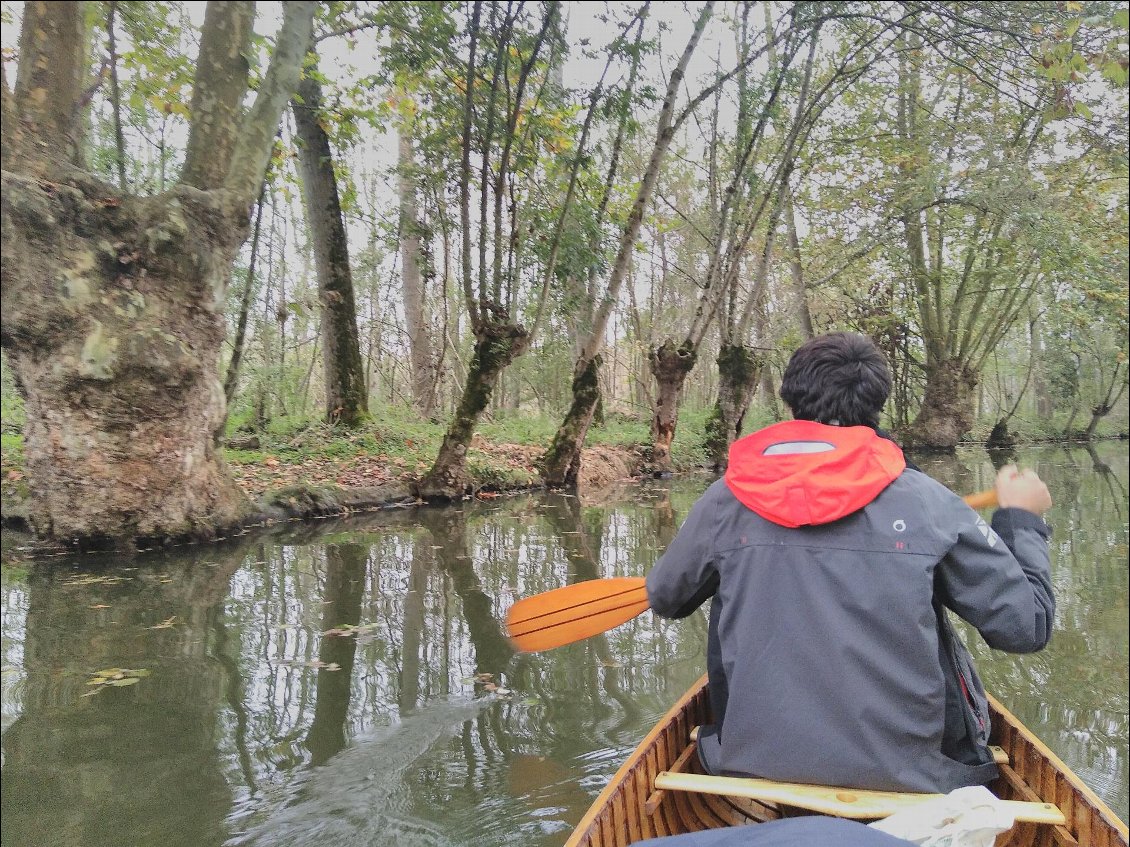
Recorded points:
(630, 807)
(1082, 807)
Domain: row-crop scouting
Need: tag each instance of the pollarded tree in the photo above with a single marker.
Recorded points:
(562, 461)
(977, 193)
(746, 183)
(113, 303)
(504, 83)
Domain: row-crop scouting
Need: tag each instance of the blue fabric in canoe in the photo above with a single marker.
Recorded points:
(790, 832)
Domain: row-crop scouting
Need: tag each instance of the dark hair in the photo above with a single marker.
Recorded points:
(840, 378)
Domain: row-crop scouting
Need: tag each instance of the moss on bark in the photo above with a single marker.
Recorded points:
(497, 345)
(947, 411)
(113, 324)
(561, 464)
(739, 369)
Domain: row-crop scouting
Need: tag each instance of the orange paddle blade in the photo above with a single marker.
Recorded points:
(574, 612)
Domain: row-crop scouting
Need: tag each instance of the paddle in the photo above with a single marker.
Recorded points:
(564, 615)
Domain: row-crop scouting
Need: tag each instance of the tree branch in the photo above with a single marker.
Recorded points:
(218, 90)
(50, 78)
(257, 135)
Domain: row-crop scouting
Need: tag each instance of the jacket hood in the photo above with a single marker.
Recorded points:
(801, 473)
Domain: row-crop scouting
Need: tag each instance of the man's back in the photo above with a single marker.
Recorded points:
(830, 658)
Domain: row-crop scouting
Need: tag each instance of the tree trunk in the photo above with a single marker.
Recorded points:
(1001, 438)
(739, 370)
(347, 398)
(1097, 414)
(947, 407)
(113, 305)
(497, 344)
(419, 340)
(670, 366)
(796, 273)
(231, 377)
(113, 322)
(561, 464)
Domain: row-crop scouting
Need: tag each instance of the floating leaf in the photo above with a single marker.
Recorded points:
(116, 677)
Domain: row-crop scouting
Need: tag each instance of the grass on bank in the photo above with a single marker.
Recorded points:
(397, 445)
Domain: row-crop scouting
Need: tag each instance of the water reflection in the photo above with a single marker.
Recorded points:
(350, 683)
(85, 765)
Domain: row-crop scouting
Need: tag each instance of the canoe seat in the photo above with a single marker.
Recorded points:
(824, 799)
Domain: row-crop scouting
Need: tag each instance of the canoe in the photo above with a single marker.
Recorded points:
(631, 808)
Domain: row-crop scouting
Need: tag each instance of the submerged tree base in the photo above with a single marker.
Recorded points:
(947, 408)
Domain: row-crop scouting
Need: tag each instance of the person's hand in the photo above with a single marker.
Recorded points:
(1022, 489)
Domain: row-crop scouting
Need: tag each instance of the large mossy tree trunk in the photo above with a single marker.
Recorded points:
(113, 322)
(670, 366)
(346, 393)
(561, 464)
(947, 411)
(113, 304)
(739, 371)
(497, 344)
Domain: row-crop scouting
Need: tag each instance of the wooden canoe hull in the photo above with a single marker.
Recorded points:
(630, 809)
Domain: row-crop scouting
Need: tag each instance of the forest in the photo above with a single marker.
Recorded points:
(250, 247)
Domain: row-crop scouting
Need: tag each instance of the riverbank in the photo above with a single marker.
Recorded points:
(311, 470)
(314, 470)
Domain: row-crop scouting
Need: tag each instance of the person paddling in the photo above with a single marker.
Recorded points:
(830, 564)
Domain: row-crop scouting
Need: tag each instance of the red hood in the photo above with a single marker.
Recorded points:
(799, 489)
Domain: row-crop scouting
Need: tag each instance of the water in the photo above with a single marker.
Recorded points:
(249, 725)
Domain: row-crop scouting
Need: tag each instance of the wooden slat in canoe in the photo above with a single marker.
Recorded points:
(831, 800)
(1033, 774)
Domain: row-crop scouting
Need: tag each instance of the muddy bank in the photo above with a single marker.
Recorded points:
(513, 469)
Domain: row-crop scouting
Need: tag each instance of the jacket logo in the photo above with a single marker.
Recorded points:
(899, 525)
(987, 531)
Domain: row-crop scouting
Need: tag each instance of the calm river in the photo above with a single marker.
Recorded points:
(350, 683)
